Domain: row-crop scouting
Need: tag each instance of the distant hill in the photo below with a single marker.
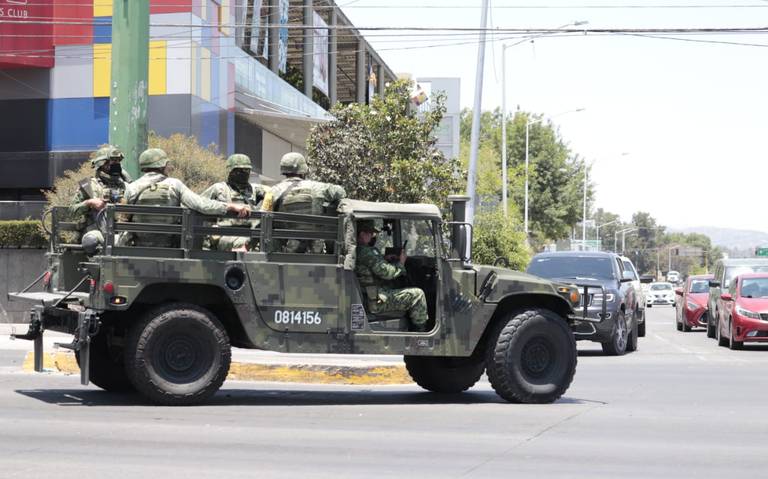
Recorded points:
(732, 239)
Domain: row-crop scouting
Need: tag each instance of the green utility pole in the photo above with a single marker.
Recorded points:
(129, 83)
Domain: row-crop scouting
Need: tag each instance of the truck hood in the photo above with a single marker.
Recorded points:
(512, 282)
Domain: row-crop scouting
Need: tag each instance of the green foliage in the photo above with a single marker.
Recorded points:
(22, 234)
(385, 151)
(496, 236)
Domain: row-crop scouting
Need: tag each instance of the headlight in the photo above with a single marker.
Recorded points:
(692, 306)
(598, 298)
(747, 313)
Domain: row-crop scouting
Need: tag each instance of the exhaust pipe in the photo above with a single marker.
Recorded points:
(461, 246)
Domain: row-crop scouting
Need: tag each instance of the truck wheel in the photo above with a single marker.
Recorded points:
(449, 375)
(531, 357)
(617, 345)
(179, 354)
(641, 327)
(632, 337)
(107, 368)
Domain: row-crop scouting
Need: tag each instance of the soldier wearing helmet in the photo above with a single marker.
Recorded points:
(298, 195)
(106, 186)
(237, 189)
(154, 187)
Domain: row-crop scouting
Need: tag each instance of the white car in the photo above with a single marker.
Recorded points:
(660, 293)
(673, 277)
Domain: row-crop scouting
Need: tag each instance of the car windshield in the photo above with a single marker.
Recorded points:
(699, 286)
(661, 287)
(572, 267)
(734, 271)
(754, 288)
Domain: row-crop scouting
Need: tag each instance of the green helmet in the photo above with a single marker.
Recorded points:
(293, 163)
(153, 158)
(238, 160)
(103, 154)
(366, 225)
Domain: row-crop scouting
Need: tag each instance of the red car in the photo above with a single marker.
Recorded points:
(744, 316)
(691, 307)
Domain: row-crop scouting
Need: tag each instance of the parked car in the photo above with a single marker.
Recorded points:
(673, 277)
(744, 311)
(610, 299)
(691, 307)
(662, 292)
(637, 283)
(725, 271)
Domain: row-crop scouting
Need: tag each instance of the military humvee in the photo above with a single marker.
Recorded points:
(162, 320)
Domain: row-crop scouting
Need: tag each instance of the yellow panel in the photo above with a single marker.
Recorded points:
(102, 66)
(158, 65)
(102, 8)
(205, 74)
(224, 13)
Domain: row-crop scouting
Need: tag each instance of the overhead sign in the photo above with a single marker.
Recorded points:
(761, 252)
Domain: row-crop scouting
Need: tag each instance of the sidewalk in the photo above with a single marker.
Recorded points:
(247, 364)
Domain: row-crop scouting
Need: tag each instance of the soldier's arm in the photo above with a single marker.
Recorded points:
(78, 206)
(380, 267)
(212, 193)
(196, 202)
(335, 193)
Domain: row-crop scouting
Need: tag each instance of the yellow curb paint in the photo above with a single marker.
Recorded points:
(65, 362)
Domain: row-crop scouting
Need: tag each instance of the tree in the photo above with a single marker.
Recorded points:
(385, 151)
(496, 236)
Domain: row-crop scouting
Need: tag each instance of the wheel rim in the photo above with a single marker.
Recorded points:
(182, 358)
(621, 334)
(538, 356)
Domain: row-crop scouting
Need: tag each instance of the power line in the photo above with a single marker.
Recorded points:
(532, 6)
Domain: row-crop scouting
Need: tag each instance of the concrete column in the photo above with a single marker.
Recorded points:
(332, 58)
(274, 36)
(380, 80)
(361, 84)
(309, 48)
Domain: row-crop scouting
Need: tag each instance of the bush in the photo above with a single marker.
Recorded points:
(496, 236)
(22, 234)
(196, 166)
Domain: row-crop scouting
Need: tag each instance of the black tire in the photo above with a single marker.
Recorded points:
(531, 357)
(179, 354)
(449, 375)
(107, 368)
(685, 327)
(617, 345)
(641, 327)
(632, 337)
(721, 341)
(678, 324)
(732, 343)
(711, 333)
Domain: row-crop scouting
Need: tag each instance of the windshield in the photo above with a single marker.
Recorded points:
(734, 271)
(661, 287)
(572, 267)
(754, 288)
(699, 286)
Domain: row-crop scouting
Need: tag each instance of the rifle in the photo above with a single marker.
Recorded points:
(393, 253)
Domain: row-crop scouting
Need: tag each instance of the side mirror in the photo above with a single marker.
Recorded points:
(726, 297)
(714, 284)
(678, 291)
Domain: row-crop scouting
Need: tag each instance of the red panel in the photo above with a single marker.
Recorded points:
(25, 44)
(171, 6)
(73, 11)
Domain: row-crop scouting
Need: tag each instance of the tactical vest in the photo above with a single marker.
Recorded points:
(158, 194)
(301, 199)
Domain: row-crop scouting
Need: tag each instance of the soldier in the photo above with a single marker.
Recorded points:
(376, 275)
(237, 189)
(155, 188)
(296, 194)
(106, 186)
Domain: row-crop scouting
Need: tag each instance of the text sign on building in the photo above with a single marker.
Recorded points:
(320, 54)
(23, 42)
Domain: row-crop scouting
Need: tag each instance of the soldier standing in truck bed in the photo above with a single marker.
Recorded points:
(237, 189)
(105, 187)
(295, 194)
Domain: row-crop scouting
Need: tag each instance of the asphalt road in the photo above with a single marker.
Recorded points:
(679, 407)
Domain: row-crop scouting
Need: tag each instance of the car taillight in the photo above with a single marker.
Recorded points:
(108, 288)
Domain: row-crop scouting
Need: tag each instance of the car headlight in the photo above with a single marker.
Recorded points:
(598, 298)
(747, 313)
(692, 305)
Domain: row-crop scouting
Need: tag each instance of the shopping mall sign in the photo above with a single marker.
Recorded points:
(26, 33)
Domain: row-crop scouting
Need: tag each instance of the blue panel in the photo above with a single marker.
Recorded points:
(102, 29)
(230, 132)
(77, 123)
(205, 123)
(215, 80)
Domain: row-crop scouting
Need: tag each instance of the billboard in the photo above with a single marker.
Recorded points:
(24, 42)
(320, 54)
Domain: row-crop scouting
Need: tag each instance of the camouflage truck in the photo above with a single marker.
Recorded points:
(161, 321)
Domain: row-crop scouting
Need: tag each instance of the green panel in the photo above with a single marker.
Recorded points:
(761, 252)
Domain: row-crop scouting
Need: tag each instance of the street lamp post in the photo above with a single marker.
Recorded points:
(597, 231)
(584, 219)
(616, 238)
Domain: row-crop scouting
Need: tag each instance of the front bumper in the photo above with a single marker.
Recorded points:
(696, 318)
(748, 329)
(661, 301)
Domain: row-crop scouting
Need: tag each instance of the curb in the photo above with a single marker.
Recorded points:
(64, 362)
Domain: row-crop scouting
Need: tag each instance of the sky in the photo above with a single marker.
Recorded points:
(674, 128)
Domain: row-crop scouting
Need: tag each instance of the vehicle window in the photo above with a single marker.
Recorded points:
(732, 287)
(661, 287)
(420, 236)
(384, 238)
(572, 267)
(699, 286)
(628, 267)
(754, 287)
(734, 271)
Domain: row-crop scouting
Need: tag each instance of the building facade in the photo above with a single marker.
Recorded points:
(224, 71)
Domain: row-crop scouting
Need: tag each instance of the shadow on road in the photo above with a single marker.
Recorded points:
(278, 397)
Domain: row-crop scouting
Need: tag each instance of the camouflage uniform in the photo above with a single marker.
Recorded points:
(300, 196)
(110, 188)
(231, 191)
(376, 274)
(154, 188)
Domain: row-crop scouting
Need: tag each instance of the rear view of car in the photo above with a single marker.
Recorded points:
(661, 293)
